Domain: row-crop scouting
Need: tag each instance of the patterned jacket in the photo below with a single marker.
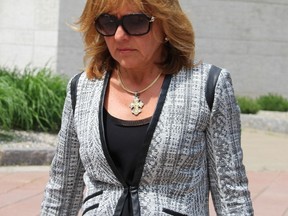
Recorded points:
(188, 151)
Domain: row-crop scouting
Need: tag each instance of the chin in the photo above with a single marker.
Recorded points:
(129, 65)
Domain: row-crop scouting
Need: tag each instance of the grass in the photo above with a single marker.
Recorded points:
(31, 99)
(269, 102)
(248, 105)
(273, 102)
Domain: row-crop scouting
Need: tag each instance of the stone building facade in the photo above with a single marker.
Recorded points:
(248, 37)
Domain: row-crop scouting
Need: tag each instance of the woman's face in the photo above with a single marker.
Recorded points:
(135, 52)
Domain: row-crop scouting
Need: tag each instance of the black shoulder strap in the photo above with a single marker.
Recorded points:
(210, 85)
(73, 90)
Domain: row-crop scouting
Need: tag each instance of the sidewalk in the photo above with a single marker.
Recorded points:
(265, 158)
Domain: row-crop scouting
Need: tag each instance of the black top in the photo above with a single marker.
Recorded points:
(125, 140)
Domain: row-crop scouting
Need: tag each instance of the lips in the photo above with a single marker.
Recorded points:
(124, 50)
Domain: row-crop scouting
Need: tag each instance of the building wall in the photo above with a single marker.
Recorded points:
(248, 37)
(28, 32)
(70, 48)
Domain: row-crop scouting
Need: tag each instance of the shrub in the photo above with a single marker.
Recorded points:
(31, 100)
(273, 102)
(248, 105)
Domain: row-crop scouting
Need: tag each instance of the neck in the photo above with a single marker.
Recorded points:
(138, 78)
(137, 92)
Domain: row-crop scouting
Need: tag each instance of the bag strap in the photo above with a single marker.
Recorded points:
(73, 90)
(211, 84)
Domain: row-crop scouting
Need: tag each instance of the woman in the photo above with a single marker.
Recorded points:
(142, 134)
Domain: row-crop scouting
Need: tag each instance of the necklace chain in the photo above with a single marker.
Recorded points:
(136, 105)
(136, 92)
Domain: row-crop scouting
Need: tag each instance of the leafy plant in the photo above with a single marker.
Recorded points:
(273, 102)
(248, 105)
(32, 99)
(11, 99)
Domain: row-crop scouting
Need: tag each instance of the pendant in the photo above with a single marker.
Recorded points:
(137, 105)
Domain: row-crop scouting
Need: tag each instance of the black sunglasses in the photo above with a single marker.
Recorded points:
(133, 24)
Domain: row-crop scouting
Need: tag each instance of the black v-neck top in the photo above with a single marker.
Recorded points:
(125, 140)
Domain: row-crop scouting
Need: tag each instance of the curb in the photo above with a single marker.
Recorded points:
(41, 151)
(26, 157)
(264, 121)
(29, 148)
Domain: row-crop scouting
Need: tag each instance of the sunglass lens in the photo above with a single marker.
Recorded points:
(136, 24)
(106, 24)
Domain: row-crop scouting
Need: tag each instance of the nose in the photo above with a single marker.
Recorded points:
(120, 33)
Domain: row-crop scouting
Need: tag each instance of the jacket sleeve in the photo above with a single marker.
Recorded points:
(227, 176)
(64, 191)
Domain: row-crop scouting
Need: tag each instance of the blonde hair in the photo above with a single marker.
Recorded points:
(179, 50)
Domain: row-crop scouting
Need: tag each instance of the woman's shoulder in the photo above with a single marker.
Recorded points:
(81, 83)
(83, 80)
(199, 69)
(204, 69)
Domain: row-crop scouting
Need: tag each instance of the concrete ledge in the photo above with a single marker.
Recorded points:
(29, 148)
(267, 121)
(12, 157)
(40, 148)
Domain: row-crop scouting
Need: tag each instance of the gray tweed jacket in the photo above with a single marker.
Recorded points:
(188, 152)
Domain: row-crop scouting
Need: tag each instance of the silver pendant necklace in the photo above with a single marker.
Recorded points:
(136, 105)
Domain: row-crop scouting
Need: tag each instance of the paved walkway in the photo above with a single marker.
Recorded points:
(265, 157)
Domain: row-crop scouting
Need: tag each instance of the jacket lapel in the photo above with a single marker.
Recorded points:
(148, 138)
(102, 133)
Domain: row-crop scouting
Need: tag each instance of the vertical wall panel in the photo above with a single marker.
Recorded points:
(70, 49)
(249, 38)
(28, 33)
